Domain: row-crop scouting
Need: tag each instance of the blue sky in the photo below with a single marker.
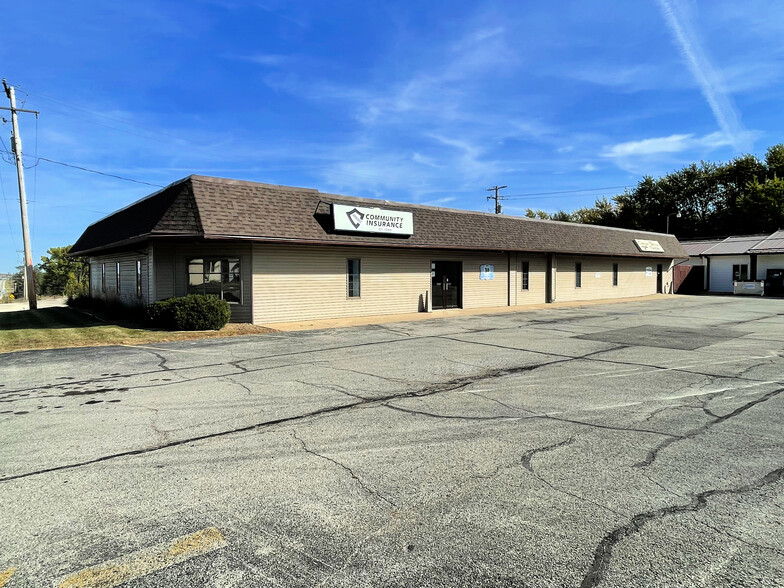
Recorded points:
(427, 102)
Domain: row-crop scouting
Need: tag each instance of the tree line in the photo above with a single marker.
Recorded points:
(742, 196)
(57, 274)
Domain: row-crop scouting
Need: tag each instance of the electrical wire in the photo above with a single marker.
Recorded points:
(35, 179)
(87, 169)
(11, 232)
(95, 171)
(533, 194)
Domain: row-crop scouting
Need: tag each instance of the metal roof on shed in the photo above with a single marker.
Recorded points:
(734, 245)
(215, 208)
(698, 247)
(772, 244)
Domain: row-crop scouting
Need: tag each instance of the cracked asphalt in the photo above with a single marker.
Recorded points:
(615, 445)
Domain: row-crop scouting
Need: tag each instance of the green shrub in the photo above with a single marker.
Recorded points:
(74, 288)
(194, 312)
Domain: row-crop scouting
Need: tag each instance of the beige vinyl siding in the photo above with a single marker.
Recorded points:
(171, 271)
(597, 278)
(303, 283)
(483, 293)
(294, 283)
(127, 261)
(537, 271)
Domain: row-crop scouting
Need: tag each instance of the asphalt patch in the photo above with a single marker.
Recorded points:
(665, 337)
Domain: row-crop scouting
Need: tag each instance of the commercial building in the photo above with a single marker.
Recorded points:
(279, 254)
(720, 265)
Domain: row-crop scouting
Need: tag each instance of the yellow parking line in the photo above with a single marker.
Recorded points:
(5, 575)
(146, 561)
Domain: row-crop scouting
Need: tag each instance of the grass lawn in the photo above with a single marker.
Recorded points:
(52, 328)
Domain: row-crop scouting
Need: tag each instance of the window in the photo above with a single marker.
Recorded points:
(219, 277)
(103, 277)
(138, 278)
(740, 273)
(615, 274)
(524, 275)
(117, 276)
(352, 275)
(578, 275)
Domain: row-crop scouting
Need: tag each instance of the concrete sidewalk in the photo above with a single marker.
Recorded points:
(357, 321)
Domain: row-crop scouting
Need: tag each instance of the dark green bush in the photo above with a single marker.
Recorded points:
(194, 312)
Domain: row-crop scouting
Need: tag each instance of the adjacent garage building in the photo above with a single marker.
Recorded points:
(278, 254)
(721, 264)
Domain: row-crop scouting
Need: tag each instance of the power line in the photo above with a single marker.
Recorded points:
(93, 171)
(7, 213)
(523, 196)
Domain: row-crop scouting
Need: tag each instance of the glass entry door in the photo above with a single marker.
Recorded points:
(447, 284)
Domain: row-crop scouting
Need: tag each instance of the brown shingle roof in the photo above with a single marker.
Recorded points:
(215, 208)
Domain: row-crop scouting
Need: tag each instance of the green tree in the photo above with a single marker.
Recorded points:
(766, 200)
(562, 216)
(61, 272)
(774, 161)
(603, 212)
(18, 279)
(542, 214)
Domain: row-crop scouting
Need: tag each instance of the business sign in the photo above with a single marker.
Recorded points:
(648, 246)
(359, 219)
(486, 272)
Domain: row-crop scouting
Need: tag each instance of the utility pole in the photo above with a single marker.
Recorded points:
(496, 197)
(16, 147)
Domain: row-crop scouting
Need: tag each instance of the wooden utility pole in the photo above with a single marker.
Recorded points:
(496, 197)
(16, 147)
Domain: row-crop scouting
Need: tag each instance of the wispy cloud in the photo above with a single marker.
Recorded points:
(588, 167)
(678, 20)
(644, 155)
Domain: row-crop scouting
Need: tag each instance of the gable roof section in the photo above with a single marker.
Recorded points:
(215, 208)
(772, 244)
(737, 245)
(699, 247)
(734, 245)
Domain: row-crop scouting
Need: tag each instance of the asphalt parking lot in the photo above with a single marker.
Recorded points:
(615, 445)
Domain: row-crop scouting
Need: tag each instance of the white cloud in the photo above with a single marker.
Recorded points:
(641, 156)
(266, 59)
(665, 145)
(709, 79)
(588, 167)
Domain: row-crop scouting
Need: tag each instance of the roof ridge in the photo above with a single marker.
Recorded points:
(230, 181)
(490, 214)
